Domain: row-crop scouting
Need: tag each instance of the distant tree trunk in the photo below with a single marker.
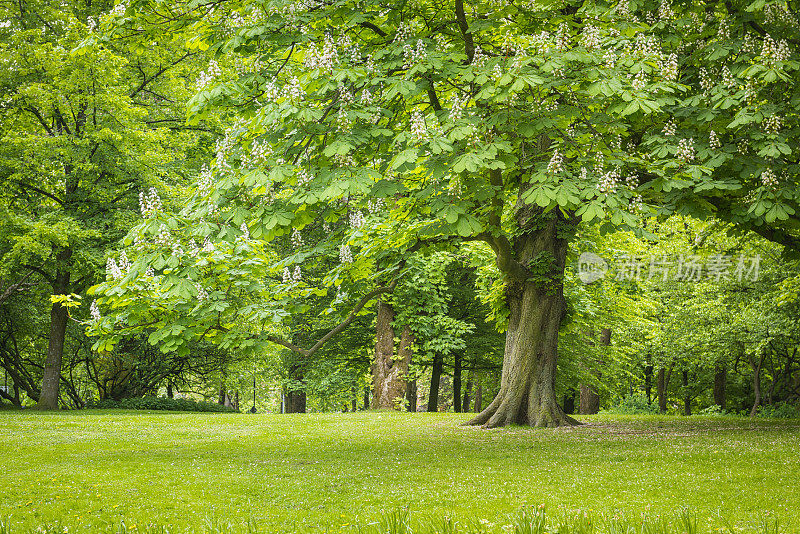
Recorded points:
(720, 381)
(479, 399)
(236, 400)
(589, 400)
(411, 396)
(388, 372)
(354, 400)
(457, 383)
(59, 315)
(366, 398)
(467, 392)
(569, 401)
(687, 398)
(170, 393)
(648, 382)
(222, 395)
(756, 365)
(662, 385)
(436, 375)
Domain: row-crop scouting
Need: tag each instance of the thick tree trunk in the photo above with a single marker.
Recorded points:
(479, 399)
(59, 315)
(411, 396)
(720, 381)
(295, 402)
(536, 308)
(467, 392)
(457, 383)
(436, 377)
(389, 372)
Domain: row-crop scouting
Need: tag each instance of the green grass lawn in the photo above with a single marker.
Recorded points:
(94, 469)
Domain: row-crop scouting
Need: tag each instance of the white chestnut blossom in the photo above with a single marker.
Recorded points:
(713, 140)
(296, 239)
(685, 150)
(345, 255)
(556, 164)
(112, 269)
(669, 128)
(150, 203)
(245, 231)
(768, 178)
(773, 124)
(94, 310)
(419, 130)
(357, 219)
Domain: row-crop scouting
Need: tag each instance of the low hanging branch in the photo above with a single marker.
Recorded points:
(338, 328)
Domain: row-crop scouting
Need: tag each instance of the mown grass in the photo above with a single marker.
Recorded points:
(327, 472)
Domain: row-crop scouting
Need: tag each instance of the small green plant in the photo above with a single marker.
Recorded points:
(633, 404)
(782, 410)
(714, 409)
(160, 403)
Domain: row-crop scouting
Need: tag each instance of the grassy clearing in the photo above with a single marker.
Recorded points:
(320, 472)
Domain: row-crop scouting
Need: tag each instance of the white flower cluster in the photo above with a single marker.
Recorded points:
(772, 52)
(292, 276)
(685, 150)
(344, 160)
(665, 11)
(562, 37)
(713, 140)
(412, 56)
(669, 128)
(419, 130)
(375, 207)
(584, 174)
(742, 147)
(609, 181)
(723, 30)
(324, 59)
(636, 203)
(773, 124)
(113, 270)
(91, 24)
(293, 90)
(297, 239)
(706, 83)
(639, 82)
(209, 75)
(632, 180)
(345, 255)
(94, 310)
(223, 147)
(119, 9)
(304, 177)
(208, 246)
(769, 179)
(357, 219)
(202, 294)
(610, 59)
(403, 33)
(591, 37)
(245, 231)
(474, 136)
(728, 79)
(478, 58)
(779, 13)
(150, 203)
(457, 109)
(205, 181)
(259, 152)
(556, 164)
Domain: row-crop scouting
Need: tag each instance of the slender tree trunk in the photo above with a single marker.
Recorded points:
(648, 382)
(536, 309)
(222, 395)
(411, 396)
(170, 393)
(479, 399)
(662, 384)
(295, 402)
(236, 400)
(436, 376)
(687, 398)
(59, 315)
(388, 372)
(457, 383)
(467, 392)
(366, 398)
(756, 365)
(720, 381)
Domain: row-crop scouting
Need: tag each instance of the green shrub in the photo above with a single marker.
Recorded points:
(633, 404)
(714, 409)
(782, 410)
(160, 403)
